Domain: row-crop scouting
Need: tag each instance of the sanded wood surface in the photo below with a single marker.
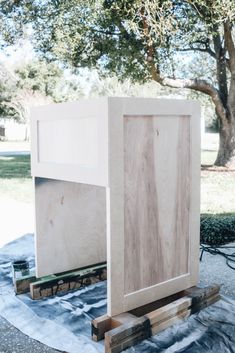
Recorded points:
(157, 190)
(70, 226)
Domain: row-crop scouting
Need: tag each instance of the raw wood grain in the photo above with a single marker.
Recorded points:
(70, 226)
(157, 199)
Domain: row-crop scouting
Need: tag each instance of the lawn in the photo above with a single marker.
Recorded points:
(217, 186)
(15, 167)
(15, 178)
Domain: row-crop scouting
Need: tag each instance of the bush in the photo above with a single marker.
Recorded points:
(217, 229)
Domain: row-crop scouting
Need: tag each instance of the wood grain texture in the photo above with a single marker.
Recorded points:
(157, 199)
(70, 225)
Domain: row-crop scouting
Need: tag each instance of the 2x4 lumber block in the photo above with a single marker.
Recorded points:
(106, 323)
(121, 319)
(22, 284)
(127, 335)
(99, 326)
(183, 314)
(151, 323)
(51, 285)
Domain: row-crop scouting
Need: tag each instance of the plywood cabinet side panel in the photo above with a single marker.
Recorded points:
(70, 225)
(157, 187)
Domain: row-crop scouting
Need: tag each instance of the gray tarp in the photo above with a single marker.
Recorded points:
(63, 321)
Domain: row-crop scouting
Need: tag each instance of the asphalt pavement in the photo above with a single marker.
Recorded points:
(14, 341)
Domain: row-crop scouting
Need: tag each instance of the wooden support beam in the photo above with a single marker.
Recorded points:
(136, 330)
(106, 323)
(99, 326)
(127, 335)
(121, 319)
(51, 285)
(22, 284)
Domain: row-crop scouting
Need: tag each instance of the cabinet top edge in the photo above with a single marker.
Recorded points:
(106, 101)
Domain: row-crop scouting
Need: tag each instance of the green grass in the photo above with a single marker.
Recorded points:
(12, 166)
(217, 186)
(15, 179)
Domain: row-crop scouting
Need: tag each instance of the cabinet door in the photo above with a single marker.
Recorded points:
(154, 235)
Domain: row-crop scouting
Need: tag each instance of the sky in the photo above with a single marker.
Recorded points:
(16, 55)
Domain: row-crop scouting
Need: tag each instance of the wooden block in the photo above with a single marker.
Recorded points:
(173, 320)
(99, 326)
(51, 285)
(121, 319)
(106, 323)
(162, 325)
(205, 303)
(196, 299)
(129, 342)
(22, 285)
(127, 335)
(170, 310)
(136, 330)
(199, 294)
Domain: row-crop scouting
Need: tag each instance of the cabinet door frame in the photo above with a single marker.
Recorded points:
(118, 301)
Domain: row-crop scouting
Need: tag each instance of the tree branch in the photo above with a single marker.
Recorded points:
(197, 85)
(205, 50)
(230, 46)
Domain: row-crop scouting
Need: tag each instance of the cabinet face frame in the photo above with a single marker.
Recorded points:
(118, 301)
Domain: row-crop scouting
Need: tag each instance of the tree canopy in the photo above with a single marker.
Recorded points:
(142, 40)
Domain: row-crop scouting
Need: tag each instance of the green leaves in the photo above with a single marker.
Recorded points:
(117, 36)
(217, 229)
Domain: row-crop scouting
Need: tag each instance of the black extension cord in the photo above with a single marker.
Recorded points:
(215, 250)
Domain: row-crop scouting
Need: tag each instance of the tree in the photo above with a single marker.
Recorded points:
(49, 80)
(36, 82)
(10, 105)
(142, 40)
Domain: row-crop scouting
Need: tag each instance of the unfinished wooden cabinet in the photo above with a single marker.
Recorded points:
(118, 179)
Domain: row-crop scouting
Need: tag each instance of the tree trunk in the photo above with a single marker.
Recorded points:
(226, 152)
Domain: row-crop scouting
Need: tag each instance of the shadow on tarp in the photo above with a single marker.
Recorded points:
(63, 321)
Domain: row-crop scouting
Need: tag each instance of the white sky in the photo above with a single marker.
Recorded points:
(17, 55)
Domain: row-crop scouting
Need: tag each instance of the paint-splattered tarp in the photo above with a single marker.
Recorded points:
(63, 321)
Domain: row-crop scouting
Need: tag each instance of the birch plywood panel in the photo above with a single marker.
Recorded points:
(156, 198)
(70, 225)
